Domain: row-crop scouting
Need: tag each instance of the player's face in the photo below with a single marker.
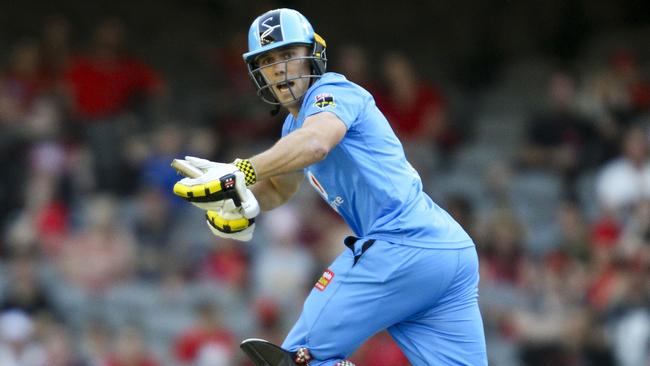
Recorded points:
(282, 69)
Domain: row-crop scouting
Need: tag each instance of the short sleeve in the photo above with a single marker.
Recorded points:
(286, 126)
(345, 100)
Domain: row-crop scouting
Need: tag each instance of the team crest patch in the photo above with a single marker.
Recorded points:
(324, 280)
(325, 100)
(270, 29)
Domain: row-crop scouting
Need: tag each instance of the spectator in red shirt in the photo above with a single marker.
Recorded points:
(227, 264)
(104, 82)
(206, 341)
(416, 110)
(103, 85)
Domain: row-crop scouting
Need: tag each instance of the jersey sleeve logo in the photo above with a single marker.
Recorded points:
(325, 100)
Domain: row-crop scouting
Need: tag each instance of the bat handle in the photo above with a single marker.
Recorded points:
(186, 169)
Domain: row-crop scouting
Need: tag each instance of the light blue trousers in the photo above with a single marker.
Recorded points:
(426, 298)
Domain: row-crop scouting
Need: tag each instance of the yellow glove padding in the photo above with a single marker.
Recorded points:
(213, 190)
(220, 181)
(216, 178)
(228, 225)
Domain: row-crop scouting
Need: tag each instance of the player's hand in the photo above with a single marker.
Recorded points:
(219, 182)
(228, 223)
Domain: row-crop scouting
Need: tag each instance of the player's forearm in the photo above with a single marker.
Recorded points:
(293, 152)
(268, 194)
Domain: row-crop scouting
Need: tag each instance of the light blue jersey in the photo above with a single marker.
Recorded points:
(366, 177)
(408, 255)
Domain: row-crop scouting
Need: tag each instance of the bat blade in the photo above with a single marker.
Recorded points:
(264, 353)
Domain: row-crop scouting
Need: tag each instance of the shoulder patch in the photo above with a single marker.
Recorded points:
(324, 280)
(325, 100)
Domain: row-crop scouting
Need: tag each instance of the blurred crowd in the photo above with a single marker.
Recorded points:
(548, 169)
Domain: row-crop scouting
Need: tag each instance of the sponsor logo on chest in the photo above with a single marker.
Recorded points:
(335, 202)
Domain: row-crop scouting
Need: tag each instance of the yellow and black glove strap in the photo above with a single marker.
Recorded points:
(247, 168)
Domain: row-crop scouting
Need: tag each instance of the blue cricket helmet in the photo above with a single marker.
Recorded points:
(276, 29)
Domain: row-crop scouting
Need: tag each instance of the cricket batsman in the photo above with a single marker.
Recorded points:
(409, 268)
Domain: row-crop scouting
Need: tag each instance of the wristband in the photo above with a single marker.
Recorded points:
(247, 168)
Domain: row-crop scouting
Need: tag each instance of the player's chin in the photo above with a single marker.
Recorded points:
(291, 102)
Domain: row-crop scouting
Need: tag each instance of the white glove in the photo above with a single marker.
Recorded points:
(228, 223)
(219, 183)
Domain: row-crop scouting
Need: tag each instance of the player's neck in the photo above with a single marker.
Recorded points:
(294, 111)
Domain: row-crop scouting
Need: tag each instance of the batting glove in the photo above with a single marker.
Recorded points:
(220, 183)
